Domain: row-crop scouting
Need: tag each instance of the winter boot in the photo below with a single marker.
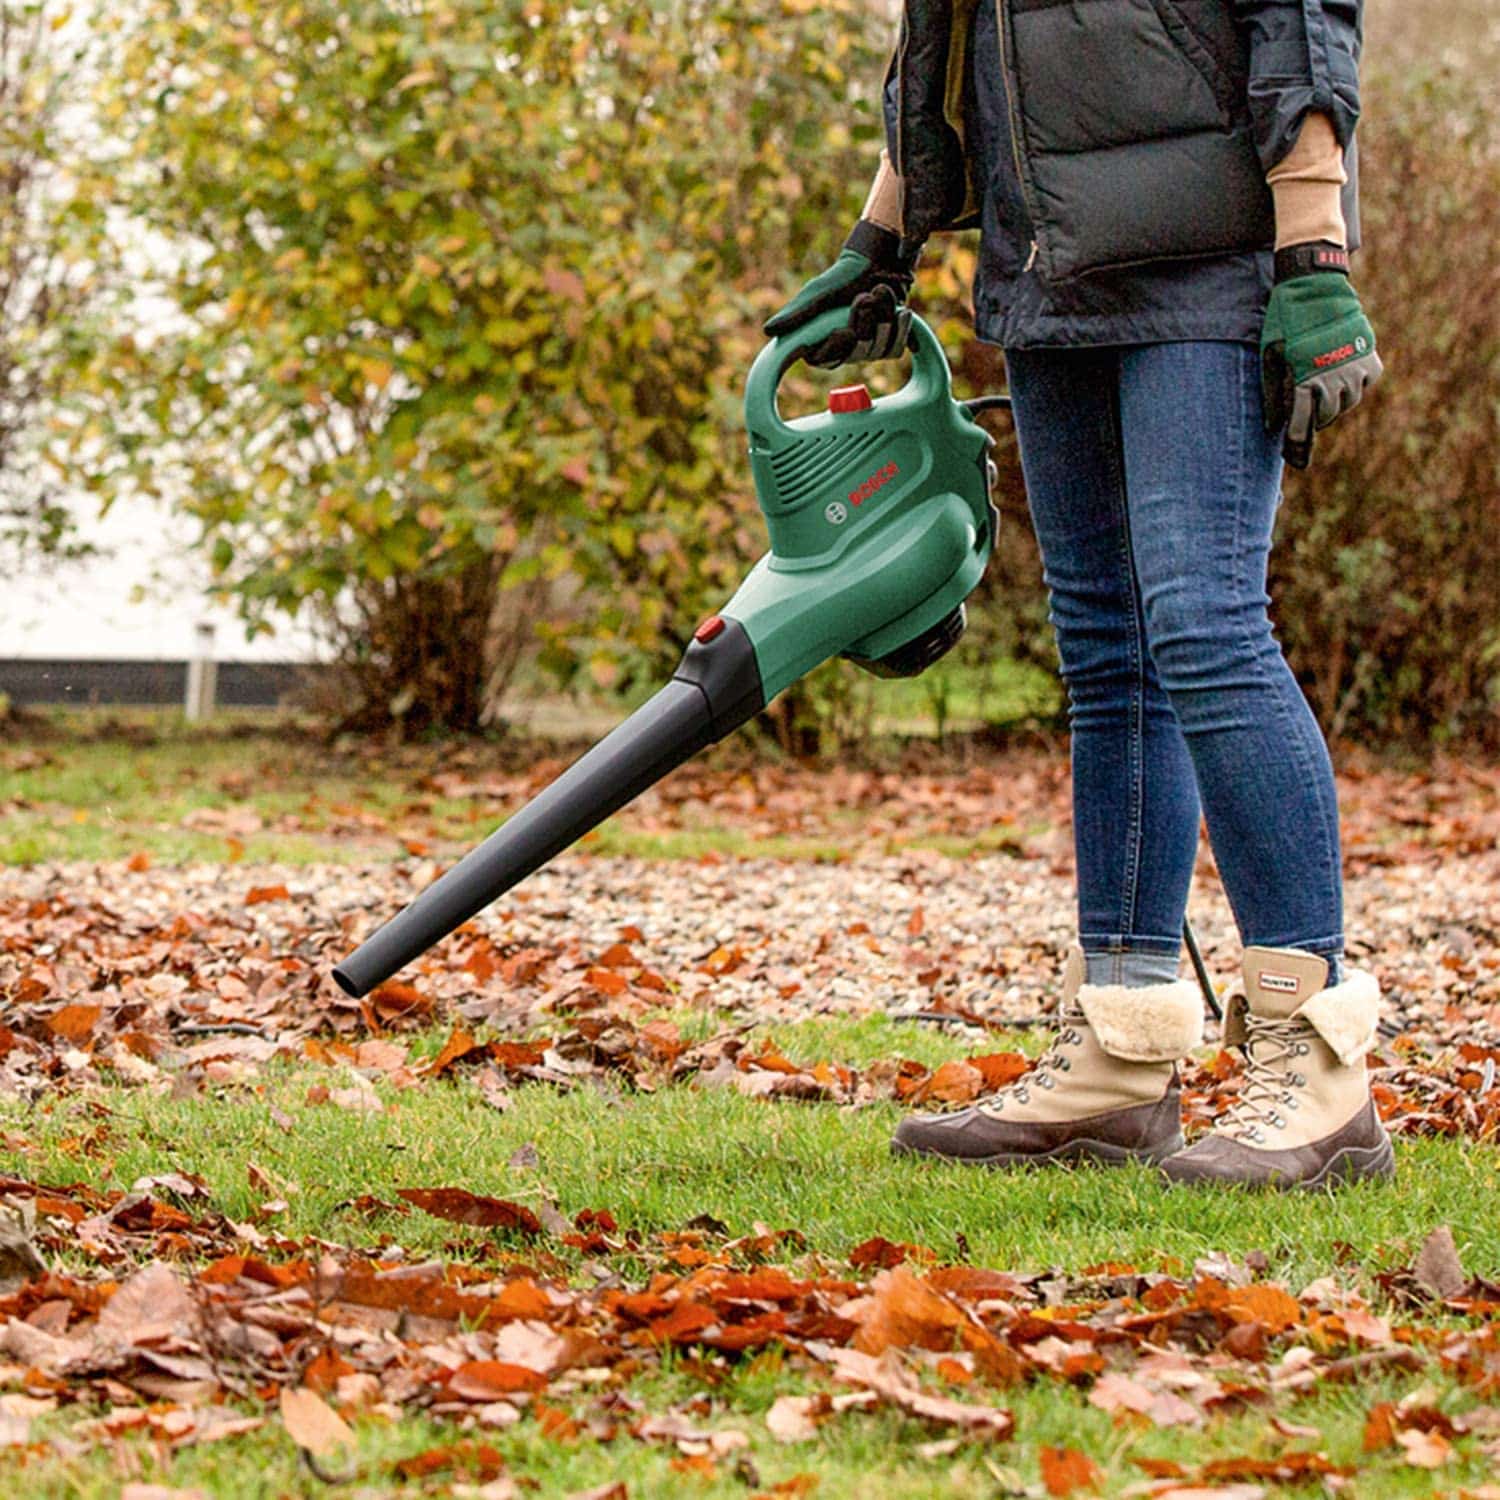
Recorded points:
(1105, 1091)
(1304, 1118)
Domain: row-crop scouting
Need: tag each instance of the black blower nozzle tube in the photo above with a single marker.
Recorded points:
(716, 689)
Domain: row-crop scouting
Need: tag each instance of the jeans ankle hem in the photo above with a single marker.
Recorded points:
(1098, 943)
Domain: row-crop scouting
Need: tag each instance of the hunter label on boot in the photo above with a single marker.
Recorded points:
(1286, 984)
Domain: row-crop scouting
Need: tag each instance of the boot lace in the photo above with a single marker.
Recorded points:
(1269, 1090)
(1043, 1074)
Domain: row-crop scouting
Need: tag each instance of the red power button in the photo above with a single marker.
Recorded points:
(711, 627)
(849, 398)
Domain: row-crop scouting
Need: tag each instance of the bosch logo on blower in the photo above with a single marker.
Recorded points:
(861, 493)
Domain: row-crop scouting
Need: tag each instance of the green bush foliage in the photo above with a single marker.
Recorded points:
(468, 290)
(1386, 570)
(53, 269)
(1388, 567)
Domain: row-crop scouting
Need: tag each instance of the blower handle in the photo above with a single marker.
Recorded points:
(930, 378)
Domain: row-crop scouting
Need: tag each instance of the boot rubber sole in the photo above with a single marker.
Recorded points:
(1375, 1163)
(1353, 1164)
(1101, 1153)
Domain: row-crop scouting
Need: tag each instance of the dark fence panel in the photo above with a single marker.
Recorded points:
(241, 684)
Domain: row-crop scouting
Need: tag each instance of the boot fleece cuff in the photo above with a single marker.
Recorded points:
(1346, 1015)
(1152, 1023)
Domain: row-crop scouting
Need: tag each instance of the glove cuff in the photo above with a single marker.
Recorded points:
(1308, 259)
(883, 248)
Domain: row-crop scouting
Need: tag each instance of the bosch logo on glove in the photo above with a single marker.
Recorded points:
(861, 493)
(1333, 356)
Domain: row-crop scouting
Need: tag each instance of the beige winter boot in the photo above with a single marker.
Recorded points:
(1304, 1118)
(1106, 1090)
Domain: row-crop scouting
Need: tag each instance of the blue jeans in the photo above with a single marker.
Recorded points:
(1153, 488)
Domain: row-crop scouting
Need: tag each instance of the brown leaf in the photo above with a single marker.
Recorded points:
(883, 1253)
(460, 1206)
(886, 1378)
(477, 1460)
(312, 1423)
(1066, 1469)
(1424, 1450)
(955, 1082)
(903, 1312)
(1437, 1269)
(1114, 1392)
(563, 283)
(151, 1305)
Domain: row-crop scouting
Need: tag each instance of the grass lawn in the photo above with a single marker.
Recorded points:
(259, 789)
(658, 1160)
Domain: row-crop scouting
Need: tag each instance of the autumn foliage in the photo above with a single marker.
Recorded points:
(470, 291)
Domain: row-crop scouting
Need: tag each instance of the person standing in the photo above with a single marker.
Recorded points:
(1166, 197)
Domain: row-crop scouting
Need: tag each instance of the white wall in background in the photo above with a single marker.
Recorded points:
(140, 601)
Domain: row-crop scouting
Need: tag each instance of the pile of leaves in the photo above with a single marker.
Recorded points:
(185, 1355)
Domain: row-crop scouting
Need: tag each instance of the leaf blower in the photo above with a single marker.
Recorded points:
(881, 525)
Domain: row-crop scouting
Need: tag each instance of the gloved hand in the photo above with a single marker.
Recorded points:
(1317, 349)
(872, 278)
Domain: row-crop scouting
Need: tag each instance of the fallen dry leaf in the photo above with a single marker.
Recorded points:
(312, 1423)
(463, 1207)
(791, 1418)
(1424, 1450)
(1437, 1269)
(886, 1378)
(1065, 1470)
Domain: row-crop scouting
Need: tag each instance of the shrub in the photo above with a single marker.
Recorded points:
(1388, 566)
(467, 294)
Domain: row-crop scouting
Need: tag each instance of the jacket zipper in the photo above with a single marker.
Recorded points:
(1014, 120)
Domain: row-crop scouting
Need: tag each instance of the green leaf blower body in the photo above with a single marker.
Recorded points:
(880, 525)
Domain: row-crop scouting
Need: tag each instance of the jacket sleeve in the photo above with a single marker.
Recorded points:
(1304, 57)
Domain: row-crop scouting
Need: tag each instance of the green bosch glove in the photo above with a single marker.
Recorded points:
(1317, 349)
(872, 278)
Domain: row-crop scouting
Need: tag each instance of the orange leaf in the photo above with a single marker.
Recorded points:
(479, 1459)
(955, 1082)
(999, 1068)
(138, 861)
(458, 1046)
(904, 1312)
(1272, 1305)
(1066, 1469)
(492, 1379)
(606, 981)
(323, 1373)
(393, 999)
(259, 893)
(74, 1023)
(460, 1206)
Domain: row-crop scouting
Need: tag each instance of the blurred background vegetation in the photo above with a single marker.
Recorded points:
(435, 316)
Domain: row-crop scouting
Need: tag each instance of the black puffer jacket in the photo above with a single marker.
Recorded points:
(1143, 128)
